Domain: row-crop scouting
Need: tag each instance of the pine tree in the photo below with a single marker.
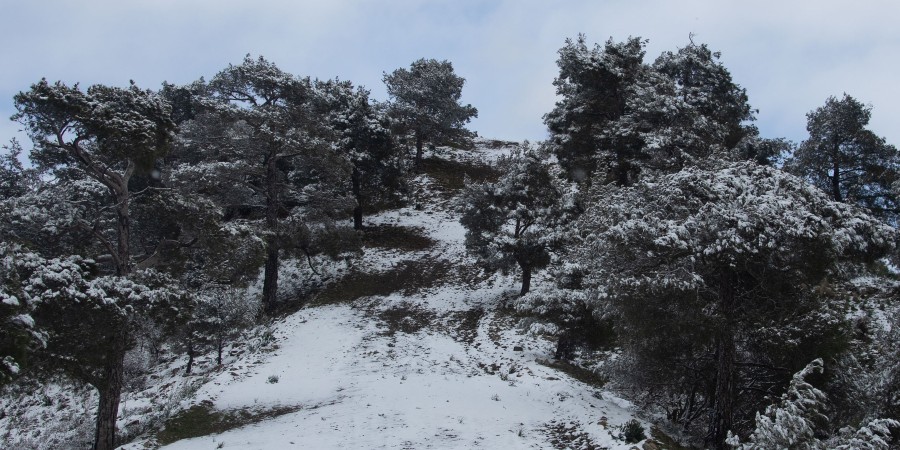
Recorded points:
(515, 221)
(102, 136)
(620, 118)
(425, 102)
(593, 86)
(260, 145)
(365, 138)
(798, 421)
(845, 159)
(719, 278)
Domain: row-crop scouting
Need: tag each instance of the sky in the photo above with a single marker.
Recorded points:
(789, 55)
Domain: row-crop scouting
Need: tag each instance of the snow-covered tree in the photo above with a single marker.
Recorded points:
(105, 134)
(425, 101)
(15, 179)
(845, 159)
(619, 118)
(865, 382)
(18, 333)
(365, 138)
(92, 143)
(792, 423)
(516, 221)
(592, 86)
(685, 109)
(260, 147)
(721, 278)
(220, 314)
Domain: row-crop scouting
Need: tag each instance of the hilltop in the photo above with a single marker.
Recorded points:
(407, 345)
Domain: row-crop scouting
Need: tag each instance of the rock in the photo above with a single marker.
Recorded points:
(518, 348)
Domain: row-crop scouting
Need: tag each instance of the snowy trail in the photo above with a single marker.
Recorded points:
(463, 377)
(422, 390)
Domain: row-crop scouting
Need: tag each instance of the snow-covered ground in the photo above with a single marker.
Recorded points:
(444, 366)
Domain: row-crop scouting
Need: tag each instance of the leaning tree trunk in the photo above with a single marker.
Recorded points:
(723, 407)
(270, 275)
(123, 224)
(110, 389)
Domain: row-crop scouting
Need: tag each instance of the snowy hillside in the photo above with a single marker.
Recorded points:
(434, 359)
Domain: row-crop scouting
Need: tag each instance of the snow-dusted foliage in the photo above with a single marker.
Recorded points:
(721, 278)
(18, 334)
(592, 86)
(517, 220)
(220, 313)
(792, 422)
(15, 179)
(364, 136)
(798, 421)
(623, 117)
(845, 159)
(865, 381)
(258, 145)
(424, 101)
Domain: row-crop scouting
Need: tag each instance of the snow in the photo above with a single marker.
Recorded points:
(445, 366)
(356, 387)
(348, 378)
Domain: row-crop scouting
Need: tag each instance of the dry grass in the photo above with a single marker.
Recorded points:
(407, 277)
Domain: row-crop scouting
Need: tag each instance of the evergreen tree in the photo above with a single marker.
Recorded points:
(845, 159)
(718, 279)
(593, 86)
(18, 334)
(99, 138)
(621, 117)
(425, 102)
(516, 221)
(798, 421)
(365, 139)
(15, 179)
(261, 146)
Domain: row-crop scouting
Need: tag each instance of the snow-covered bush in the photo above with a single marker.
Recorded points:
(798, 421)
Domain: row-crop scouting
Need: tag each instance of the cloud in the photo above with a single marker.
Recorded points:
(789, 55)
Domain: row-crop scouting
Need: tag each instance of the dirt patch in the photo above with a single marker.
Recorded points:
(203, 420)
(449, 176)
(579, 373)
(407, 277)
(463, 325)
(568, 435)
(409, 239)
(406, 318)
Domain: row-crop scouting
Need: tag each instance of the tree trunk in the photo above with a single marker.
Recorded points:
(357, 192)
(419, 153)
(123, 224)
(723, 407)
(270, 275)
(270, 279)
(219, 344)
(526, 279)
(190, 361)
(110, 393)
(836, 181)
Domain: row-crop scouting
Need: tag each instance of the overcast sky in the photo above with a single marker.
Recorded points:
(789, 55)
